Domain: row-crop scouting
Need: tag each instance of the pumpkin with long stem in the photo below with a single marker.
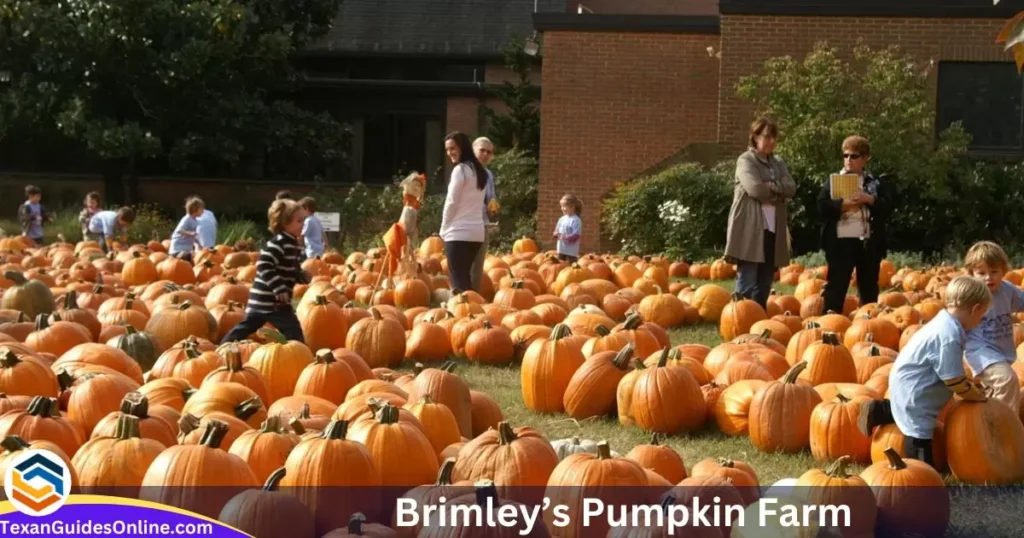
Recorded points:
(591, 390)
(54, 335)
(780, 413)
(150, 426)
(182, 475)
(828, 362)
(326, 377)
(513, 458)
(26, 377)
(833, 486)
(911, 496)
(116, 464)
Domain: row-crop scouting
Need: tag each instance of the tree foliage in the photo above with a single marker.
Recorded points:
(519, 126)
(881, 94)
(196, 82)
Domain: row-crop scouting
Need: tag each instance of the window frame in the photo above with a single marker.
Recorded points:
(973, 149)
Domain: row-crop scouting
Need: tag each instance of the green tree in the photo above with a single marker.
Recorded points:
(519, 127)
(199, 82)
(880, 94)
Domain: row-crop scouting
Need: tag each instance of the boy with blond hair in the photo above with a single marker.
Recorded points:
(929, 370)
(105, 227)
(278, 269)
(990, 348)
(183, 240)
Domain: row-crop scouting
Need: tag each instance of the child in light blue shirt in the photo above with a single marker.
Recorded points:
(313, 235)
(183, 240)
(32, 215)
(569, 228)
(207, 233)
(990, 347)
(107, 226)
(929, 370)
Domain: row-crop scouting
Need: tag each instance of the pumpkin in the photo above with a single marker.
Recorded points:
(428, 342)
(911, 496)
(230, 398)
(438, 422)
(490, 345)
(234, 371)
(116, 465)
(583, 475)
(265, 450)
(268, 512)
(667, 399)
(324, 325)
(32, 297)
(56, 336)
(832, 486)
(26, 377)
(89, 354)
(660, 458)
(444, 387)
(983, 442)
(834, 431)
(828, 362)
(318, 464)
(90, 395)
(739, 316)
(172, 392)
(379, 340)
(890, 436)
(429, 495)
(513, 458)
(154, 427)
(547, 368)
(780, 413)
(326, 377)
(280, 362)
(42, 421)
(402, 452)
(802, 340)
(11, 445)
(138, 345)
(592, 388)
(175, 323)
(182, 475)
(574, 445)
(486, 412)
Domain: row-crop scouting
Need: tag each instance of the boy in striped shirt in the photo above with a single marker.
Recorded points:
(277, 271)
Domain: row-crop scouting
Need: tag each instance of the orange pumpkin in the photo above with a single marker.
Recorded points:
(547, 368)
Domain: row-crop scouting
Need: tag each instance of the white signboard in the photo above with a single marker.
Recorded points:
(330, 221)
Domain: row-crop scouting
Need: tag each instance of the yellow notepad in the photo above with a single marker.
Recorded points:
(845, 185)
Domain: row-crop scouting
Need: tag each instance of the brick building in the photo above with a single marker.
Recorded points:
(634, 85)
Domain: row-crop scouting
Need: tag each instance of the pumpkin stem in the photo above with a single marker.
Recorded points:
(663, 359)
(65, 380)
(633, 321)
(896, 463)
(7, 358)
(874, 351)
(248, 408)
(812, 325)
(214, 434)
(639, 364)
(127, 428)
(830, 338)
(304, 412)
(336, 430)
(42, 322)
(376, 314)
(320, 300)
(444, 475)
(324, 356)
(271, 425)
(233, 360)
(272, 335)
(185, 305)
(601, 330)
(448, 366)
(187, 424)
(484, 490)
(559, 332)
(13, 443)
(621, 359)
(604, 452)
(388, 414)
(418, 368)
(355, 524)
(654, 438)
(505, 433)
(296, 426)
(837, 469)
(16, 276)
(71, 300)
(794, 372)
(191, 351)
(842, 398)
(736, 297)
(187, 393)
(129, 329)
(135, 404)
(274, 479)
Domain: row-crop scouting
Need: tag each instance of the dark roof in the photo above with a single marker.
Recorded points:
(449, 27)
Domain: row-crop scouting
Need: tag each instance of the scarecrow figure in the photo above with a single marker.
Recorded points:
(405, 233)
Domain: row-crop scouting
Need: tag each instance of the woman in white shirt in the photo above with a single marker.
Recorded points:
(462, 223)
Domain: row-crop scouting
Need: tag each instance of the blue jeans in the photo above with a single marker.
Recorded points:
(753, 279)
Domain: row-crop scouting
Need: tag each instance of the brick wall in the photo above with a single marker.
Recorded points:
(615, 104)
(747, 41)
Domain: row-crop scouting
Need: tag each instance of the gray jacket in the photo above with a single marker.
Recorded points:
(757, 181)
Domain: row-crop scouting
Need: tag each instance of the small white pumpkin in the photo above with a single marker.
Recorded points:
(574, 445)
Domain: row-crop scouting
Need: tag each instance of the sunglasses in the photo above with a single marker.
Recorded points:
(851, 156)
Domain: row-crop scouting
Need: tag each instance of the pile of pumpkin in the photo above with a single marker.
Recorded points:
(113, 358)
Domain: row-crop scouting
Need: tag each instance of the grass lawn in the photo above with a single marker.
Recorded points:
(973, 513)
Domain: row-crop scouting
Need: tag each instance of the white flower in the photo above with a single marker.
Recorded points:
(673, 211)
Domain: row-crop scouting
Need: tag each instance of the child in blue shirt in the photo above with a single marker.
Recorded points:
(207, 233)
(183, 240)
(32, 215)
(929, 370)
(990, 347)
(107, 226)
(313, 235)
(569, 229)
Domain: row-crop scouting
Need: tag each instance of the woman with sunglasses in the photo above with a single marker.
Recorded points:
(853, 235)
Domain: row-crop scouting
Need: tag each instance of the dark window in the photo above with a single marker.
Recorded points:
(986, 97)
(395, 144)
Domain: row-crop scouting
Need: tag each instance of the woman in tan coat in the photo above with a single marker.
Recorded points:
(757, 238)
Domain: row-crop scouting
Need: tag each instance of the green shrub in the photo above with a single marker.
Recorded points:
(150, 224)
(515, 184)
(682, 212)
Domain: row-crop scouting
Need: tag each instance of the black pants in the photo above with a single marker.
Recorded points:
(842, 258)
(754, 280)
(913, 448)
(567, 258)
(460, 263)
(187, 256)
(284, 319)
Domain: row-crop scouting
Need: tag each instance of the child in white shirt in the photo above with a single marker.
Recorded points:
(569, 229)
